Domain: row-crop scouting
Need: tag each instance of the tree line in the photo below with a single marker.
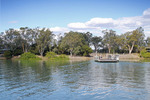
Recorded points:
(39, 41)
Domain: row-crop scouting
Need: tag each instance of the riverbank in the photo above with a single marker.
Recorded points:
(123, 57)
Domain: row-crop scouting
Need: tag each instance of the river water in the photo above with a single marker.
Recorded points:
(65, 80)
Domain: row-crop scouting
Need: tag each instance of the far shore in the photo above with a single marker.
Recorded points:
(122, 57)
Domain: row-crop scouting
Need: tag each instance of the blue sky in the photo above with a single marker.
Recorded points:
(64, 15)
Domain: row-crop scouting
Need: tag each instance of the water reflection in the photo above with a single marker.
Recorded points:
(73, 80)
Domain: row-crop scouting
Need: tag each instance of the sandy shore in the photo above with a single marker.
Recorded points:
(80, 58)
(121, 56)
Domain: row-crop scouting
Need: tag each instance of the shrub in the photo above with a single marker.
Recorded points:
(8, 54)
(29, 56)
(85, 54)
(50, 55)
(63, 56)
(145, 54)
(53, 56)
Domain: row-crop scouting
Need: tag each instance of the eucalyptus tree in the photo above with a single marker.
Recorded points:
(54, 45)
(135, 37)
(28, 36)
(57, 44)
(88, 38)
(72, 42)
(140, 39)
(11, 39)
(35, 32)
(43, 40)
(96, 41)
(109, 39)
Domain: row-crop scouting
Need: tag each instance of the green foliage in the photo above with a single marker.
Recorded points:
(8, 54)
(96, 41)
(40, 41)
(33, 49)
(77, 50)
(145, 54)
(109, 39)
(86, 50)
(63, 56)
(43, 40)
(53, 56)
(55, 50)
(88, 37)
(12, 37)
(71, 41)
(29, 56)
(85, 54)
(17, 52)
(130, 39)
(83, 50)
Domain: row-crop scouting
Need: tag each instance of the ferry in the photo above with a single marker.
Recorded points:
(109, 59)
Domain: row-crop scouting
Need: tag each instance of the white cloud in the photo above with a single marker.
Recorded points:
(77, 25)
(100, 22)
(123, 24)
(146, 13)
(147, 33)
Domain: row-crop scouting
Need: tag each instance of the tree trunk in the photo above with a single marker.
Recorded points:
(23, 47)
(41, 54)
(131, 48)
(71, 53)
(109, 49)
(130, 51)
(96, 50)
(26, 50)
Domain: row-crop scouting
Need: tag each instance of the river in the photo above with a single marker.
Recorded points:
(66, 80)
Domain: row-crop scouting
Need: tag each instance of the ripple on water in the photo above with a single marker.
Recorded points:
(74, 81)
